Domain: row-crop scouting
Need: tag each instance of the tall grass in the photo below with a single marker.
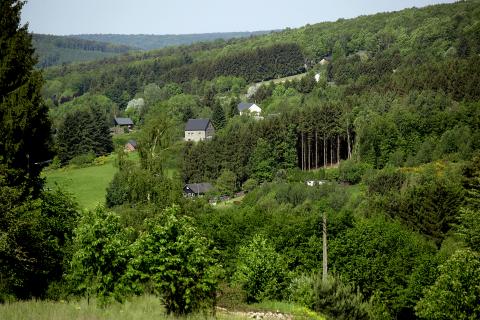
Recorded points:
(139, 308)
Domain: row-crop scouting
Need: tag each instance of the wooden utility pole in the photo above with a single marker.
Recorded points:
(316, 149)
(324, 250)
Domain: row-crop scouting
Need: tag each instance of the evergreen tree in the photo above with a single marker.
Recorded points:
(218, 117)
(233, 107)
(82, 132)
(24, 123)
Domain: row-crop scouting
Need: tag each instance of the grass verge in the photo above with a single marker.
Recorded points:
(138, 308)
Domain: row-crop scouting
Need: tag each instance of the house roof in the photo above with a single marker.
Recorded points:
(124, 121)
(199, 188)
(244, 106)
(133, 143)
(197, 124)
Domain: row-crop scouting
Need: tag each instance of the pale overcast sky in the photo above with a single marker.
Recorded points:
(65, 17)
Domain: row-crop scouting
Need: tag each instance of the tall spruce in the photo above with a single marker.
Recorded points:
(218, 117)
(82, 132)
(24, 124)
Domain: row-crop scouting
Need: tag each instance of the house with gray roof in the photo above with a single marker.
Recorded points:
(199, 129)
(249, 108)
(122, 125)
(197, 189)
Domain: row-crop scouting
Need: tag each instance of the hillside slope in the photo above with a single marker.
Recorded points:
(431, 38)
(55, 50)
(151, 41)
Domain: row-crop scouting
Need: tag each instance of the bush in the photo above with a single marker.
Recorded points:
(333, 298)
(339, 300)
(261, 271)
(351, 171)
(302, 290)
(179, 263)
(250, 184)
(102, 252)
(384, 181)
(456, 293)
(83, 160)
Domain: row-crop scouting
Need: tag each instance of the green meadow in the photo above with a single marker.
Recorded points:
(87, 184)
(144, 307)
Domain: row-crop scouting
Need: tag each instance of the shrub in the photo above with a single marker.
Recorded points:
(384, 181)
(261, 271)
(302, 290)
(250, 184)
(333, 298)
(456, 293)
(339, 300)
(102, 252)
(351, 171)
(83, 160)
(178, 262)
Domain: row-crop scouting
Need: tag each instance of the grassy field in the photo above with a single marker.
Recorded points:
(138, 308)
(88, 185)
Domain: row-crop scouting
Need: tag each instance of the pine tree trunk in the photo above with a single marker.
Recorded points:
(331, 151)
(309, 142)
(338, 149)
(324, 152)
(302, 152)
(348, 141)
(324, 249)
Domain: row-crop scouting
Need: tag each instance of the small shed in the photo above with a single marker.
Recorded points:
(130, 146)
(196, 189)
(122, 125)
(326, 60)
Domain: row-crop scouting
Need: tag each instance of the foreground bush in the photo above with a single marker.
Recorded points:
(177, 261)
(261, 271)
(456, 292)
(102, 251)
(332, 298)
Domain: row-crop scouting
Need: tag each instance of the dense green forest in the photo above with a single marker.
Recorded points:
(57, 50)
(385, 130)
(151, 41)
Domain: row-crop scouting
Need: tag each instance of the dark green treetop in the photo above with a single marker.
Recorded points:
(24, 123)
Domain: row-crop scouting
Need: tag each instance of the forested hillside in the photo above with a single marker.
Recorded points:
(56, 50)
(151, 41)
(355, 190)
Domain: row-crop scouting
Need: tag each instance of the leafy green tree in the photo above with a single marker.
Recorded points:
(34, 242)
(385, 264)
(25, 140)
(261, 271)
(226, 182)
(101, 254)
(456, 293)
(178, 262)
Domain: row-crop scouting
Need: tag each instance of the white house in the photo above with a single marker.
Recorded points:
(249, 108)
(199, 129)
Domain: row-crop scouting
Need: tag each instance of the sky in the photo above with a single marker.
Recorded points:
(64, 17)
